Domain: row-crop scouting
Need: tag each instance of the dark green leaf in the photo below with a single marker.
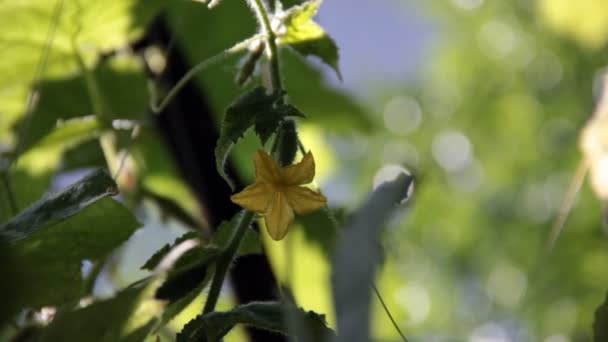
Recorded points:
(254, 108)
(320, 227)
(600, 325)
(57, 233)
(59, 206)
(263, 315)
(307, 37)
(155, 259)
(127, 317)
(352, 280)
(188, 273)
(249, 245)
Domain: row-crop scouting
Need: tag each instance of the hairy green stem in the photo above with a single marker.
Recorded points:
(271, 38)
(228, 255)
(225, 259)
(196, 69)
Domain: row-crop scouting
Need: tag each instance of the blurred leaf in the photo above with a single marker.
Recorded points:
(307, 37)
(250, 244)
(121, 82)
(161, 180)
(600, 325)
(564, 17)
(95, 27)
(331, 108)
(254, 108)
(264, 315)
(127, 317)
(352, 280)
(32, 174)
(52, 238)
(320, 227)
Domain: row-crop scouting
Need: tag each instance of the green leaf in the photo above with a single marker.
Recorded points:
(320, 227)
(352, 280)
(600, 325)
(162, 182)
(156, 258)
(127, 317)
(264, 315)
(52, 238)
(330, 108)
(59, 206)
(32, 175)
(307, 37)
(189, 271)
(254, 108)
(250, 244)
(91, 27)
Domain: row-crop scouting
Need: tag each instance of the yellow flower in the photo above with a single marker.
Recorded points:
(277, 192)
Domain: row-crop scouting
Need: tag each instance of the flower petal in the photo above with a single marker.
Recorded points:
(278, 216)
(300, 173)
(266, 168)
(255, 197)
(303, 200)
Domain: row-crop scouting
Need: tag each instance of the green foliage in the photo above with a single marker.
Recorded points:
(127, 317)
(307, 37)
(57, 207)
(250, 244)
(52, 238)
(264, 315)
(351, 281)
(158, 256)
(32, 172)
(600, 325)
(321, 228)
(89, 29)
(255, 108)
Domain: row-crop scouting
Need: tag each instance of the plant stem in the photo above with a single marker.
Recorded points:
(225, 259)
(12, 203)
(198, 68)
(106, 139)
(275, 70)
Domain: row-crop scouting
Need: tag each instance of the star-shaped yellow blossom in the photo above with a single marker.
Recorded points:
(277, 192)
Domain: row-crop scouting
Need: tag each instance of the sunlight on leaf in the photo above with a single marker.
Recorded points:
(307, 37)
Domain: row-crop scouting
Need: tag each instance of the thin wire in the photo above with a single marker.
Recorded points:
(568, 203)
(388, 313)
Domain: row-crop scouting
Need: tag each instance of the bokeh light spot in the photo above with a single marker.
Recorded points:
(402, 115)
(452, 150)
(416, 301)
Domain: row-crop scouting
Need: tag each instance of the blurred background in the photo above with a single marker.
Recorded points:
(482, 100)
